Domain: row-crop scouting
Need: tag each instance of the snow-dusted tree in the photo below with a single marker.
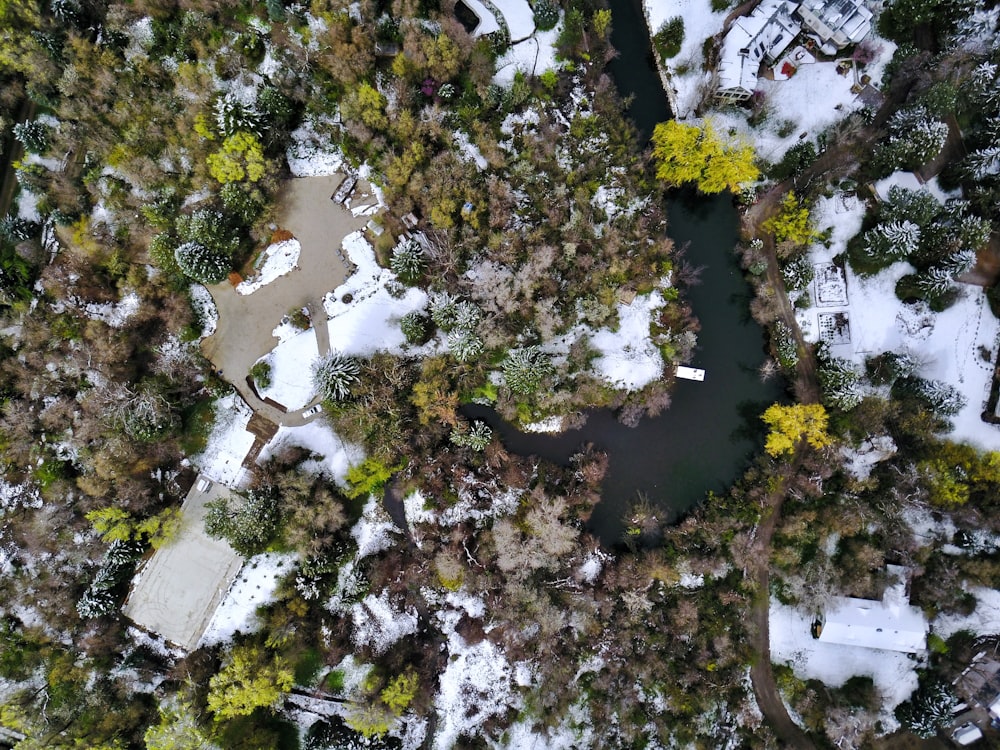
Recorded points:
(444, 310)
(143, 414)
(983, 163)
(841, 383)
(414, 326)
(546, 14)
(233, 115)
(940, 397)
(959, 262)
(929, 709)
(935, 283)
(892, 241)
(467, 316)
(210, 228)
(465, 345)
(16, 229)
(525, 368)
(798, 272)
(249, 525)
(476, 437)
(915, 138)
(98, 600)
(201, 263)
(334, 374)
(407, 261)
(33, 135)
(887, 367)
(916, 206)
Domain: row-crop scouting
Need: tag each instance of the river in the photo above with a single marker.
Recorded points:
(702, 442)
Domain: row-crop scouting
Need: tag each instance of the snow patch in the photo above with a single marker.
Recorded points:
(378, 624)
(311, 154)
(228, 444)
(291, 370)
(205, 309)
(115, 314)
(984, 619)
(629, 359)
(254, 587)
(374, 530)
(333, 456)
(280, 258)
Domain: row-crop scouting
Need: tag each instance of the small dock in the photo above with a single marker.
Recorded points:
(690, 373)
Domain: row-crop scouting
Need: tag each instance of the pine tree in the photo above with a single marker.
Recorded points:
(233, 116)
(476, 437)
(202, 264)
(248, 524)
(959, 262)
(929, 709)
(841, 383)
(414, 326)
(444, 310)
(407, 261)
(888, 367)
(916, 206)
(33, 135)
(798, 273)
(15, 229)
(892, 241)
(334, 374)
(525, 368)
(935, 283)
(465, 345)
(939, 397)
(983, 163)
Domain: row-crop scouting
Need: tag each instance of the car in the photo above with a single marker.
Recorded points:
(313, 410)
(204, 485)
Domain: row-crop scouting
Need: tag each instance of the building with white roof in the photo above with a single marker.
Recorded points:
(767, 32)
(891, 624)
(761, 36)
(837, 23)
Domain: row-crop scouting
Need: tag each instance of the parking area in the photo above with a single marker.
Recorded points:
(178, 589)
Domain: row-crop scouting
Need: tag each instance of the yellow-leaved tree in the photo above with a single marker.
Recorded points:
(689, 153)
(789, 425)
(248, 682)
(792, 223)
(240, 158)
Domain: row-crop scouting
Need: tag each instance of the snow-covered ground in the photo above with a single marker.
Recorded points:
(254, 586)
(946, 345)
(378, 623)
(279, 259)
(311, 154)
(629, 359)
(700, 23)
(204, 306)
(228, 444)
(115, 314)
(334, 456)
(984, 620)
(478, 682)
(893, 673)
(291, 370)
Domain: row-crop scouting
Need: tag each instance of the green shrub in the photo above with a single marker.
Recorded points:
(546, 15)
(261, 374)
(668, 39)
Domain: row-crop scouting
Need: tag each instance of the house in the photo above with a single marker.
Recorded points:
(837, 23)
(891, 624)
(760, 37)
(767, 32)
(967, 734)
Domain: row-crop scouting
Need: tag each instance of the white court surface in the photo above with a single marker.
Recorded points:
(179, 588)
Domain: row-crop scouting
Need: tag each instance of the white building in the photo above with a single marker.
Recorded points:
(767, 32)
(760, 37)
(891, 624)
(837, 23)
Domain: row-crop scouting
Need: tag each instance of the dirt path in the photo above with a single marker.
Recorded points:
(243, 334)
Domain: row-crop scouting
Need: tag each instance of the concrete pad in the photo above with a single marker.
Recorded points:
(181, 585)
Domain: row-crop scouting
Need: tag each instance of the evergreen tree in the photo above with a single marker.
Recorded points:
(334, 374)
(841, 383)
(201, 263)
(444, 310)
(248, 525)
(798, 273)
(33, 135)
(916, 206)
(888, 367)
(414, 326)
(525, 368)
(959, 262)
(248, 681)
(892, 241)
(937, 396)
(476, 437)
(929, 709)
(16, 229)
(465, 345)
(935, 283)
(232, 115)
(407, 261)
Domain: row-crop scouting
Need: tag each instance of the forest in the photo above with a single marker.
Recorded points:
(145, 146)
